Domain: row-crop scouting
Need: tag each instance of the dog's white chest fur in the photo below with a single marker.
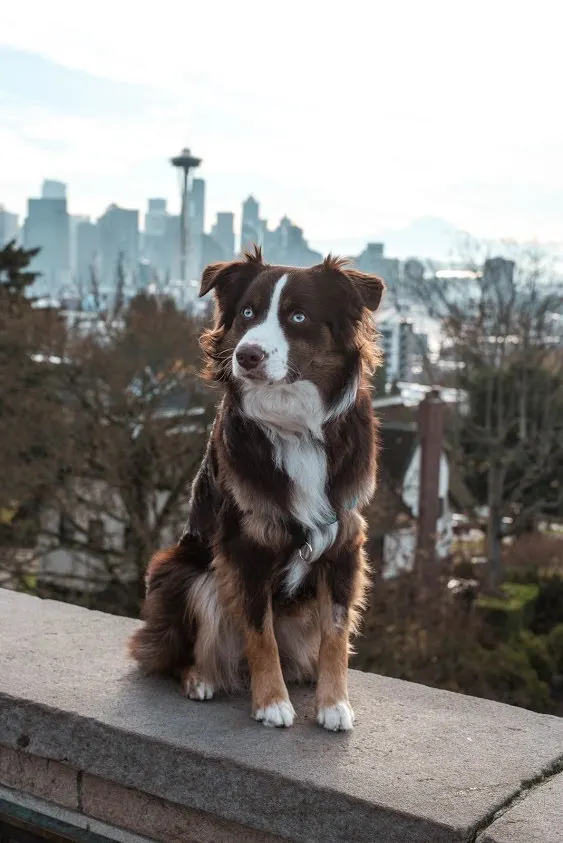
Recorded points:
(292, 416)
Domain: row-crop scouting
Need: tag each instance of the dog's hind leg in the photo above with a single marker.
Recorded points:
(218, 645)
(165, 642)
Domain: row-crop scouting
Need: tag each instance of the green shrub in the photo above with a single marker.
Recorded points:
(548, 610)
(524, 575)
(555, 646)
(539, 654)
(506, 675)
(511, 613)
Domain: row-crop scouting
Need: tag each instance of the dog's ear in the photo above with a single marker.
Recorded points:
(370, 288)
(218, 276)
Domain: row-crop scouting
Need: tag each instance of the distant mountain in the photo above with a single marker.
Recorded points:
(425, 237)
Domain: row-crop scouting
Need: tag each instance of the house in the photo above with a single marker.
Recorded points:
(393, 513)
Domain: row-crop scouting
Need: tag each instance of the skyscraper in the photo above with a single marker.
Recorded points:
(287, 245)
(373, 260)
(251, 230)
(9, 229)
(154, 236)
(155, 217)
(171, 261)
(87, 245)
(195, 228)
(223, 232)
(47, 227)
(118, 241)
(53, 189)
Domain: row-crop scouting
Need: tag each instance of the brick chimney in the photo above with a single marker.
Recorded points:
(431, 437)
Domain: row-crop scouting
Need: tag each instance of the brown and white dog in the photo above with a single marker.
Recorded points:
(270, 573)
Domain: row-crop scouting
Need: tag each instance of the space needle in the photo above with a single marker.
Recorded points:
(184, 163)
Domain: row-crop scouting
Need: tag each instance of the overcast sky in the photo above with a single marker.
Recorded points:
(350, 117)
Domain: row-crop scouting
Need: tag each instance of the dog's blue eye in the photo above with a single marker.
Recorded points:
(298, 317)
(247, 312)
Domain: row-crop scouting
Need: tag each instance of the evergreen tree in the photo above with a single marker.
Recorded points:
(15, 276)
(30, 418)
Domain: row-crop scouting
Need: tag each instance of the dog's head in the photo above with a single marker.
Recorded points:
(281, 325)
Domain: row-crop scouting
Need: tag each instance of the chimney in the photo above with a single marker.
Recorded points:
(431, 437)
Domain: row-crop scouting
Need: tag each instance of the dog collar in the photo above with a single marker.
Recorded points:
(306, 549)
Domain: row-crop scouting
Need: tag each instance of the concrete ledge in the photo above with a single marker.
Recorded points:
(421, 766)
(536, 817)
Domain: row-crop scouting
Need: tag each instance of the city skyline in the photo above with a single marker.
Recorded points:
(145, 248)
(427, 111)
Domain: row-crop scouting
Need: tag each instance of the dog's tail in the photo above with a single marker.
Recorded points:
(165, 642)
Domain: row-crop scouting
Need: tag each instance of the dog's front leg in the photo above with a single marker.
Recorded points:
(340, 592)
(270, 699)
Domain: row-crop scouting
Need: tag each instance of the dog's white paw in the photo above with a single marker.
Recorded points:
(197, 689)
(336, 718)
(277, 714)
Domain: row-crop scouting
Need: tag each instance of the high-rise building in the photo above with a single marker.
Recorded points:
(287, 245)
(9, 229)
(47, 227)
(74, 220)
(398, 343)
(154, 236)
(196, 207)
(171, 268)
(251, 230)
(155, 217)
(118, 242)
(223, 232)
(53, 189)
(373, 260)
(87, 246)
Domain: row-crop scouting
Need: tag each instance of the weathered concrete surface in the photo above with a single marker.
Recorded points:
(39, 776)
(162, 820)
(421, 765)
(535, 818)
(64, 815)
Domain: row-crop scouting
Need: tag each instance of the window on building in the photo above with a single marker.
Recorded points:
(127, 538)
(66, 529)
(96, 533)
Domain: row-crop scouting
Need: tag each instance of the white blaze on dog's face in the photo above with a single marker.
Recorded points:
(262, 353)
(283, 326)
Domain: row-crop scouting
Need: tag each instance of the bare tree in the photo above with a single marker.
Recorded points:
(138, 423)
(101, 446)
(502, 333)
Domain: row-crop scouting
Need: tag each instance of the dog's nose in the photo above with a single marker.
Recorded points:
(250, 356)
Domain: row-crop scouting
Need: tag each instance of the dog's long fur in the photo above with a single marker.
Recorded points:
(269, 575)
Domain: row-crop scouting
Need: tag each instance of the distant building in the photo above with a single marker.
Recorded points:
(251, 226)
(373, 260)
(47, 227)
(195, 228)
(170, 262)
(74, 220)
(223, 232)
(398, 342)
(154, 237)
(9, 229)
(211, 250)
(393, 512)
(118, 240)
(287, 245)
(87, 251)
(155, 217)
(53, 189)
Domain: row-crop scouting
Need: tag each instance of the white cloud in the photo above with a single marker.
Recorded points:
(349, 118)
